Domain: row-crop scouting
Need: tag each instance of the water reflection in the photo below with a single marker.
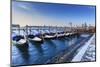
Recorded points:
(23, 50)
(50, 43)
(37, 46)
(39, 53)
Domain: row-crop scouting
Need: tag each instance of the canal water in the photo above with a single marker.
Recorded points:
(40, 53)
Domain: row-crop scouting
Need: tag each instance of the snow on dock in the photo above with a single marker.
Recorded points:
(90, 52)
(84, 49)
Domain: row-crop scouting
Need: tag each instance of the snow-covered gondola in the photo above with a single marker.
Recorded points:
(67, 34)
(72, 34)
(20, 41)
(34, 36)
(35, 39)
(50, 36)
(61, 35)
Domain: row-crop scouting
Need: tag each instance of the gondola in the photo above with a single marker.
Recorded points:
(50, 36)
(67, 34)
(60, 35)
(35, 38)
(20, 41)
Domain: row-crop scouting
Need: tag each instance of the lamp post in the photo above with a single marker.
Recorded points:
(70, 30)
(70, 26)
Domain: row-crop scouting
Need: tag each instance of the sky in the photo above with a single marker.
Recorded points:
(35, 13)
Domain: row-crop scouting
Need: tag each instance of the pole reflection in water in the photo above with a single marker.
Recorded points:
(24, 53)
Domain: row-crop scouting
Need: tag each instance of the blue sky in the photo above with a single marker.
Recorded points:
(33, 13)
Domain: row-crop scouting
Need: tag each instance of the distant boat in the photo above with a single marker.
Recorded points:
(19, 40)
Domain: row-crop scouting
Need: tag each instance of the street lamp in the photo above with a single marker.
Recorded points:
(70, 26)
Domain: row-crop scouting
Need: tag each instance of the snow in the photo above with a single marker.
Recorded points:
(60, 35)
(67, 34)
(70, 33)
(37, 39)
(82, 51)
(48, 36)
(21, 41)
(90, 53)
(84, 35)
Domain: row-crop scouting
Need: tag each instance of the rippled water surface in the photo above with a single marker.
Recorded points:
(40, 53)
